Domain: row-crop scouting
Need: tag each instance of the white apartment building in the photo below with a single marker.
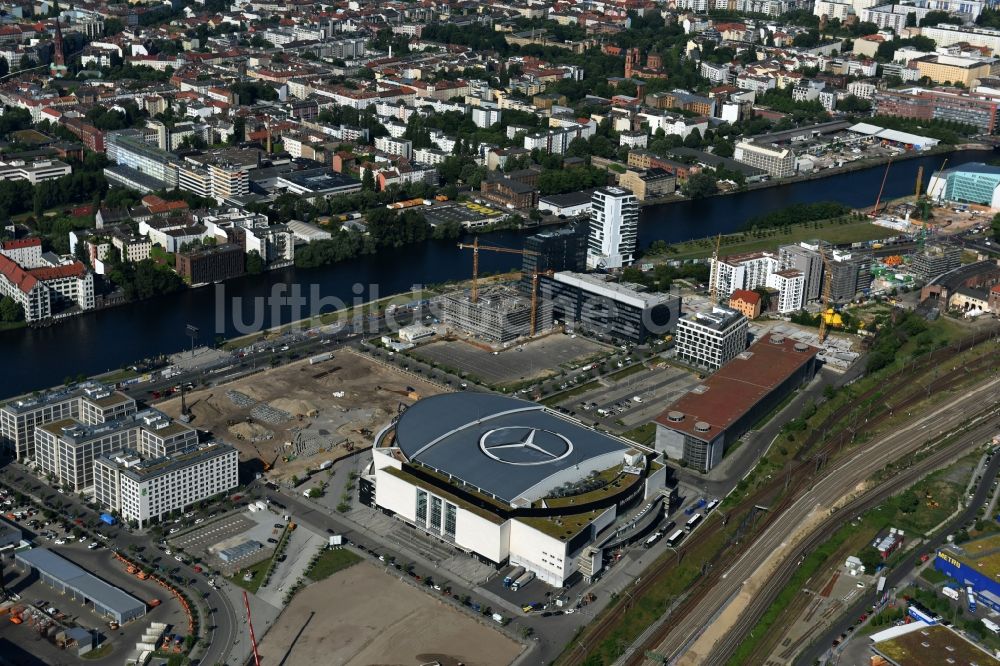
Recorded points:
(26, 253)
(229, 181)
(790, 284)
(486, 115)
(34, 172)
(778, 162)
(614, 227)
(90, 403)
(39, 290)
(143, 489)
(709, 340)
(945, 35)
(861, 89)
(741, 271)
(132, 248)
(394, 146)
(430, 156)
(65, 450)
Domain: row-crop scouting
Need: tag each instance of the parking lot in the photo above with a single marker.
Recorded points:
(536, 359)
(213, 533)
(614, 405)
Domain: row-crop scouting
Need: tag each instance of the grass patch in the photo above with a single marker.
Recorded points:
(622, 374)
(257, 572)
(738, 243)
(100, 652)
(644, 434)
(330, 562)
(563, 396)
(933, 576)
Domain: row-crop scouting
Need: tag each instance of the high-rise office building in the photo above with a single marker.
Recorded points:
(614, 226)
(563, 249)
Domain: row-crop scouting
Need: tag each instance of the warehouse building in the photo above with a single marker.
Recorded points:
(67, 578)
(699, 426)
(508, 481)
(975, 563)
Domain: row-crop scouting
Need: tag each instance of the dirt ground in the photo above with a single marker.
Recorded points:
(387, 623)
(303, 414)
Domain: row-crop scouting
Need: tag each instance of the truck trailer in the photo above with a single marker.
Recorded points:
(523, 580)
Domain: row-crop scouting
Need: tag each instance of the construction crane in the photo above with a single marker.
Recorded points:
(827, 283)
(476, 247)
(253, 638)
(713, 277)
(878, 199)
(920, 182)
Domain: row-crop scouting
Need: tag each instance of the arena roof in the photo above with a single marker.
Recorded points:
(505, 447)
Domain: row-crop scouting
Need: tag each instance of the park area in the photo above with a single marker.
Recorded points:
(294, 417)
(387, 621)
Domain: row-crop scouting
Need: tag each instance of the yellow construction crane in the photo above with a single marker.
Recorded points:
(476, 247)
(920, 181)
(827, 317)
(713, 277)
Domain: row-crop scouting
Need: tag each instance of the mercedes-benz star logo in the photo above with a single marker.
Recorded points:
(520, 445)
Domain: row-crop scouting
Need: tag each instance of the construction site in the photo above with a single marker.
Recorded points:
(499, 316)
(294, 417)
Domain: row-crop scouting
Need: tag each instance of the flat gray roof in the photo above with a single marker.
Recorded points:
(86, 584)
(506, 447)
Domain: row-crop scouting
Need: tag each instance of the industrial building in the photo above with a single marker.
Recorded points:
(508, 481)
(711, 339)
(91, 403)
(935, 260)
(141, 489)
(699, 426)
(975, 563)
(597, 304)
(942, 290)
(974, 182)
(69, 579)
(498, 316)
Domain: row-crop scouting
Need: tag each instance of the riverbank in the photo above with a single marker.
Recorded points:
(857, 165)
(832, 231)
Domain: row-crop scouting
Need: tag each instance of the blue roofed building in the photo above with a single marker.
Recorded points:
(972, 183)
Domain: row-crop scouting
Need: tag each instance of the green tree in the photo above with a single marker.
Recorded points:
(10, 310)
(255, 264)
(4, 66)
(995, 227)
(368, 181)
(701, 185)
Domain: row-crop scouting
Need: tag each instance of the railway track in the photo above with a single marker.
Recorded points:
(763, 599)
(825, 491)
(813, 455)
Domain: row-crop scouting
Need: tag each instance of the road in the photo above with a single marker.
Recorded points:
(825, 492)
(820, 650)
(222, 616)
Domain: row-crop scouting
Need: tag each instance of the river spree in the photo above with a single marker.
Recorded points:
(109, 339)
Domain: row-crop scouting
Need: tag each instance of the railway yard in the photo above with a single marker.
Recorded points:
(779, 517)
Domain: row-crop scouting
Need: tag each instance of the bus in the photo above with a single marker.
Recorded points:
(992, 626)
(692, 521)
(881, 585)
(675, 538)
(971, 598)
(653, 539)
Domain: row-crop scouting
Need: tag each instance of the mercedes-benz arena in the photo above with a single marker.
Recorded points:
(507, 480)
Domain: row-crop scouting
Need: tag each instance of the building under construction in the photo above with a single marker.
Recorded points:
(498, 316)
